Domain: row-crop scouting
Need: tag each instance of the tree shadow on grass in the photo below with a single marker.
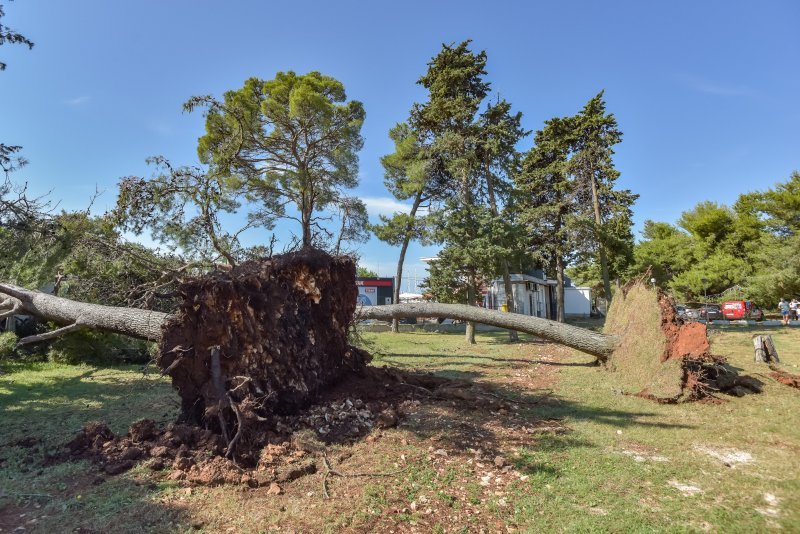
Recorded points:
(470, 357)
(40, 413)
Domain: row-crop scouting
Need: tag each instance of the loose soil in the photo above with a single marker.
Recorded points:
(664, 358)
(292, 444)
(785, 378)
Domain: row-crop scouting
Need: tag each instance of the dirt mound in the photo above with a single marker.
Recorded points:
(661, 356)
(290, 445)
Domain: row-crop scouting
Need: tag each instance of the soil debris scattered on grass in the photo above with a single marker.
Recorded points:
(787, 379)
(291, 444)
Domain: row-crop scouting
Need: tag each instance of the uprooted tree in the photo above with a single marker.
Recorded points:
(268, 337)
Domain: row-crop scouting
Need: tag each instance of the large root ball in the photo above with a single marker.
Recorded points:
(264, 338)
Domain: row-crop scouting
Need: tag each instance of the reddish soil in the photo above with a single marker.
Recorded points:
(684, 340)
(703, 373)
(785, 378)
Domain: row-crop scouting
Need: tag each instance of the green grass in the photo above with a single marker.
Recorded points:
(584, 480)
(42, 406)
(594, 468)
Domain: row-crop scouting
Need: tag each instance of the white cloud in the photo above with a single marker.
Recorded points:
(384, 206)
(78, 100)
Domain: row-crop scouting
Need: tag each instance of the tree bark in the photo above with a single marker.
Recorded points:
(585, 340)
(402, 259)
(470, 332)
(142, 324)
(560, 289)
(145, 324)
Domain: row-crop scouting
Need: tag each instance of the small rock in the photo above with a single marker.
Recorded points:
(182, 463)
(499, 461)
(132, 453)
(159, 452)
(440, 452)
(274, 489)
(117, 468)
(388, 418)
(156, 465)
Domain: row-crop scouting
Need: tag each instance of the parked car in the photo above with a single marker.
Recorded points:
(741, 309)
(691, 314)
(711, 312)
(680, 309)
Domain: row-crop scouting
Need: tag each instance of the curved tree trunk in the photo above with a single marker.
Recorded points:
(600, 345)
(401, 260)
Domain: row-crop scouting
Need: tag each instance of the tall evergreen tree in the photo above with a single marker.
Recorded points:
(448, 127)
(546, 200)
(591, 164)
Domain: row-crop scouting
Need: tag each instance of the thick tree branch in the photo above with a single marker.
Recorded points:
(58, 332)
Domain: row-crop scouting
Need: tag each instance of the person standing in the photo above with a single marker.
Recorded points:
(793, 309)
(783, 306)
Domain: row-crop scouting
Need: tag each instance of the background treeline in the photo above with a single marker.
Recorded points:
(754, 244)
(496, 197)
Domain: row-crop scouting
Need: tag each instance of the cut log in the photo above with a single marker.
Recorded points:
(764, 350)
(758, 348)
(770, 351)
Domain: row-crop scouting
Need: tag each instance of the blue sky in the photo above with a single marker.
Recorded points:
(706, 92)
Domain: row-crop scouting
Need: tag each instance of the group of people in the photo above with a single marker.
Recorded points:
(790, 310)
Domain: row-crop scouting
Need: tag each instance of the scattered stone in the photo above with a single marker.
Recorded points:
(159, 451)
(388, 418)
(686, 490)
(729, 457)
(117, 468)
(131, 453)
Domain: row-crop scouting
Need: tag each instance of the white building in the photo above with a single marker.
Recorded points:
(536, 295)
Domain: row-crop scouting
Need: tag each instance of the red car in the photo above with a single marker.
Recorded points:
(741, 309)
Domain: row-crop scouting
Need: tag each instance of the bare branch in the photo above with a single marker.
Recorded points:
(78, 325)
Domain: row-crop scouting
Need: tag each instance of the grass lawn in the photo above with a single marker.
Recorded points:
(563, 450)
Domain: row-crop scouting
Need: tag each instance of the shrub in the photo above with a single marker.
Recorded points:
(99, 348)
(8, 344)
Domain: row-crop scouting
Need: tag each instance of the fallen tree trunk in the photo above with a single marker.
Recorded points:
(279, 330)
(146, 324)
(74, 315)
(594, 343)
